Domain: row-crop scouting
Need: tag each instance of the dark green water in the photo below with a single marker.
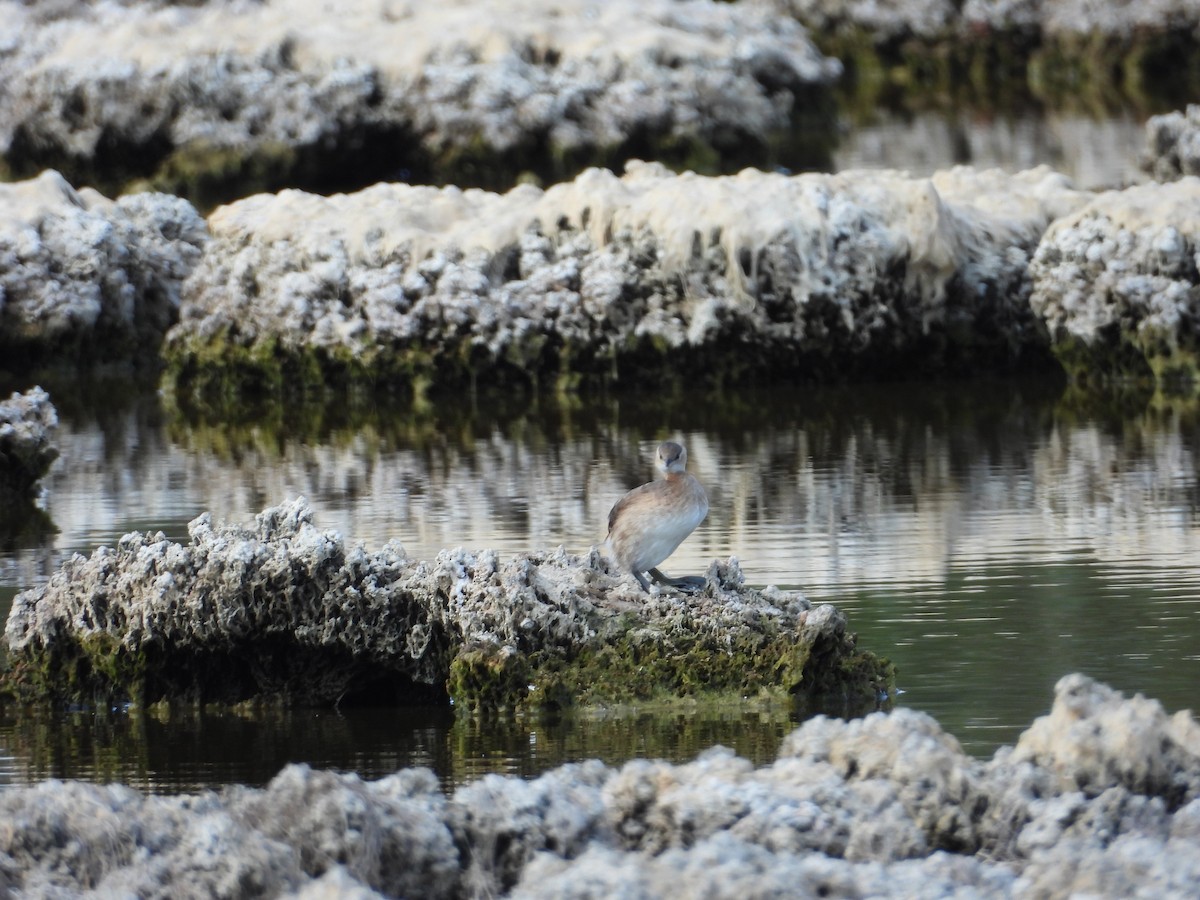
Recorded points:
(988, 538)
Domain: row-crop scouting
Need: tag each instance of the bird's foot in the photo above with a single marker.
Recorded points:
(689, 584)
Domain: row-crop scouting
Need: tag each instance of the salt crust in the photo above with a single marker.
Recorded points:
(1099, 798)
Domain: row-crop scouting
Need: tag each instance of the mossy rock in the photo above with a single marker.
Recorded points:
(631, 662)
(1145, 364)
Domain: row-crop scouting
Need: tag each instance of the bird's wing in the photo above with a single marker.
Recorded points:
(632, 497)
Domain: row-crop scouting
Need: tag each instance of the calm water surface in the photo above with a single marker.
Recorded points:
(988, 538)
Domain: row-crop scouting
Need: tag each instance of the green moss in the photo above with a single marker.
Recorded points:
(1010, 70)
(209, 175)
(488, 678)
(96, 669)
(640, 667)
(1141, 365)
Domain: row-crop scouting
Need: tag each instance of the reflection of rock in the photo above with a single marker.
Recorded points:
(220, 97)
(85, 278)
(597, 279)
(912, 484)
(893, 20)
(286, 612)
(1096, 154)
(1010, 55)
(1116, 283)
(1173, 145)
(886, 806)
(27, 422)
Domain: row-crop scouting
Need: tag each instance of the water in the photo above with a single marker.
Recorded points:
(1096, 153)
(988, 538)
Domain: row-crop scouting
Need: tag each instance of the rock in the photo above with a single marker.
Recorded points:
(221, 98)
(27, 424)
(923, 764)
(83, 278)
(881, 22)
(391, 835)
(1095, 739)
(507, 822)
(844, 811)
(725, 867)
(794, 806)
(1116, 284)
(1068, 18)
(1172, 147)
(61, 839)
(891, 21)
(285, 612)
(607, 278)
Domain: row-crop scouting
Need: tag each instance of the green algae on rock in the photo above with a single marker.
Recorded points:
(607, 279)
(284, 613)
(1117, 287)
(1065, 54)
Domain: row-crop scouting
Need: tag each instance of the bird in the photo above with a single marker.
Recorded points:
(647, 524)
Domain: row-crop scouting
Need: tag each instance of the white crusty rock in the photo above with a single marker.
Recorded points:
(393, 834)
(1173, 145)
(1079, 17)
(446, 77)
(843, 812)
(27, 424)
(844, 271)
(922, 764)
(84, 276)
(1121, 273)
(882, 20)
(283, 611)
(1095, 739)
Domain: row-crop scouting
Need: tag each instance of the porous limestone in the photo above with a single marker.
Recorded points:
(1116, 284)
(846, 811)
(287, 613)
(1095, 739)
(600, 278)
(892, 20)
(27, 424)
(84, 278)
(1172, 147)
(198, 92)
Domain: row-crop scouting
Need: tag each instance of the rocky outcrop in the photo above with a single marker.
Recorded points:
(890, 20)
(214, 100)
(605, 279)
(27, 424)
(1003, 54)
(86, 279)
(1172, 147)
(284, 612)
(1098, 798)
(1116, 283)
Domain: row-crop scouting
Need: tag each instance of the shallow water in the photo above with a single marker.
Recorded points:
(1096, 153)
(988, 538)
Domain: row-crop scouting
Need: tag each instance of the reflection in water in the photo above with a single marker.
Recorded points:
(988, 539)
(191, 751)
(1097, 154)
